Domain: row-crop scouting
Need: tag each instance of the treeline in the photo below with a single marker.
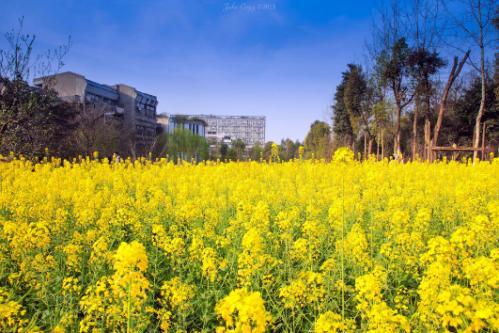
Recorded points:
(195, 147)
(425, 83)
(35, 122)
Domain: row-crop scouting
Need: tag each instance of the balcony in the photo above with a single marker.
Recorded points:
(115, 111)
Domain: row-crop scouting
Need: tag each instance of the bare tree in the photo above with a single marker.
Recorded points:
(424, 61)
(98, 129)
(389, 50)
(31, 120)
(18, 62)
(477, 24)
(454, 73)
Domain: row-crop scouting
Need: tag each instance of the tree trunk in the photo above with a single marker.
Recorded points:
(427, 127)
(483, 142)
(378, 147)
(396, 145)
(365, 146)
(414, 144)
(476, 136)
(382, 144)
(427, 136)
(454, 73)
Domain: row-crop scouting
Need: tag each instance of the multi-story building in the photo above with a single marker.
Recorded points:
(227, 129)
(193, 124)
(137, 108)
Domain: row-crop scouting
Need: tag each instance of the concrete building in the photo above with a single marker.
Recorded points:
(137, 108)
(193, 124)
(227, 129)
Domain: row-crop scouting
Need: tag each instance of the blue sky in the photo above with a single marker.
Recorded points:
(281, 59)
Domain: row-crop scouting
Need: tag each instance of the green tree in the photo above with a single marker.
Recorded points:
(382, 124)
(460, 120)
(393, 66)
(256, 152)
(183, 144)
(342, 127)
(358, 97)
(288, 149)
(267, 150)
(422, 64)
(317, 140)
(239, 148)
(224, 149)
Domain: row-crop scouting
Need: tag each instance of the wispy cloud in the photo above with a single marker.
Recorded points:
(277, 58)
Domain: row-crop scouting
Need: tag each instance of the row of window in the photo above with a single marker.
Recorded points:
(147, 109)
(143, 131)
(96, 98)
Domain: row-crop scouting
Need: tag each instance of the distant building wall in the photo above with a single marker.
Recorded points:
(193, 124)
(250, 129)
(68, 85)
(137, 109)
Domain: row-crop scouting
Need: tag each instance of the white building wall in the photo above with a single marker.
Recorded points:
(250, 129)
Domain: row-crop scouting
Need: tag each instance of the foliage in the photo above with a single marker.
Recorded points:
(184, 145)
(393, 66)
(33, 121)
(237, 151)
(224, 150)
(422, 65)
(317, 140)
(288, 149)
(256, 152)
(244, 246)
(355, 93)
(342, 127)
(458, 125)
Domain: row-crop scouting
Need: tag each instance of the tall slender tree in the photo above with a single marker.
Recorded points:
(394, 69)
(477, 24)
(342, 127)
(423, 64)
(317, 140)
(425, 36)
(454, 73)
(358, 103)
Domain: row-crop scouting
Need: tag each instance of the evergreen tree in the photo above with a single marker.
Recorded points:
(358, 99)
(342, 128)
(317, 140)
(459, 122)
(422, 65)
(393, 66)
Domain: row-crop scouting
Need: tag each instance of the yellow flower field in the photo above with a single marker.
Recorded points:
(302, 246)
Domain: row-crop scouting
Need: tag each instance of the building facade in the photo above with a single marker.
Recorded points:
(193, 124)
(227, 129)
(137, 109)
